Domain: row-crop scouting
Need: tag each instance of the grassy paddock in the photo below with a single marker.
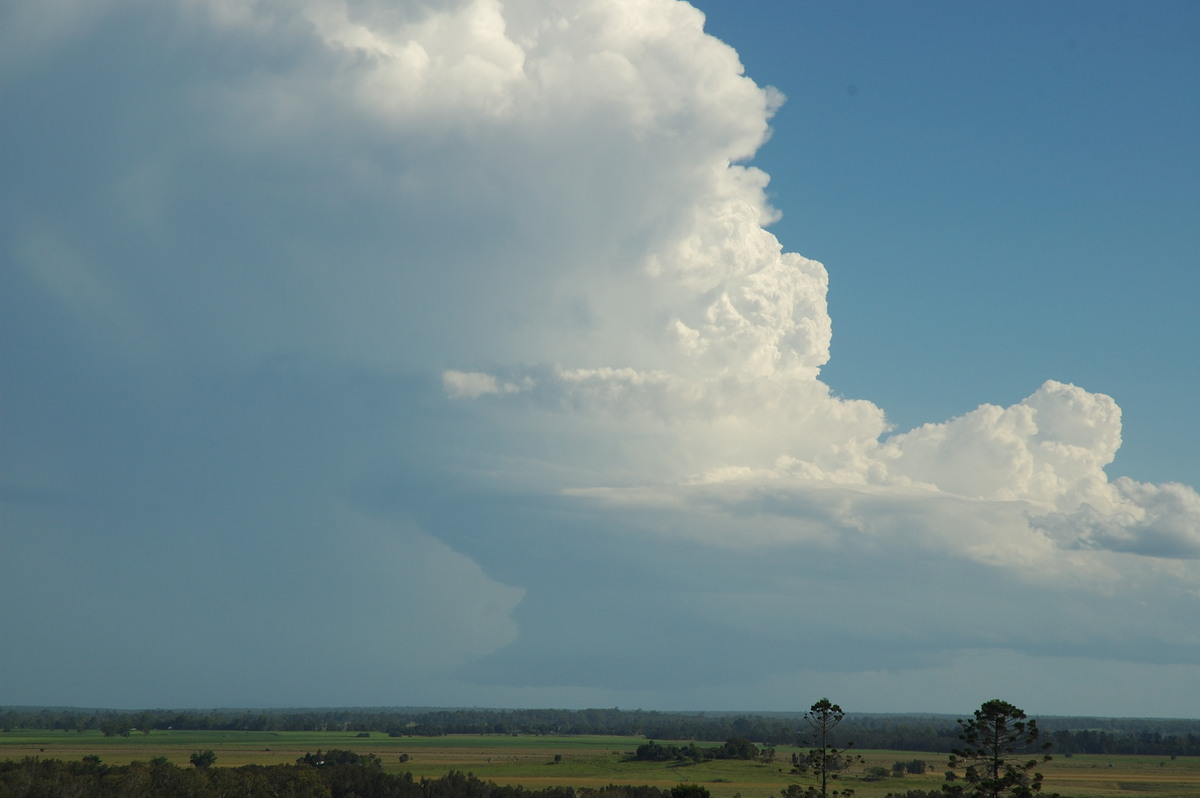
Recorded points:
(591, 761)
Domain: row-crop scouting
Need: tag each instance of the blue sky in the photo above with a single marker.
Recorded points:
(1005, 189)
(589, 354)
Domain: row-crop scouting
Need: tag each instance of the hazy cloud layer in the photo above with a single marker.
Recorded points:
(439, 353)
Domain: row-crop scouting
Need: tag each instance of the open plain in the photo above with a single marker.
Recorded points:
(536, 761)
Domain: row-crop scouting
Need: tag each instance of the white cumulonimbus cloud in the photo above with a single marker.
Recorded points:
(547, 204)
(709, 331)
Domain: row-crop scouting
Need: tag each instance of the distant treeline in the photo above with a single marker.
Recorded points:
(933, 733)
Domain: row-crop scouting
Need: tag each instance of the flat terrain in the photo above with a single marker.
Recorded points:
(587, 761)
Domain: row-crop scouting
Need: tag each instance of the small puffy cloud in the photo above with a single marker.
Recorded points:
(473, 384)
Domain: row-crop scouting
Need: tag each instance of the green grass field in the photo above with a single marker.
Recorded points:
(587, 761)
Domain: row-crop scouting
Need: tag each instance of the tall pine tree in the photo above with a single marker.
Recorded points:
(994, 757)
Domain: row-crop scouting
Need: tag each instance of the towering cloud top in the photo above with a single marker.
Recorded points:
(469, 284)
(549, 201)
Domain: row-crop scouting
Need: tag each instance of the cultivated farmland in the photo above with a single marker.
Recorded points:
(536, 761)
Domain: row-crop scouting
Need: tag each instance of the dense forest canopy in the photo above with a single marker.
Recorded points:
(937, 733)
(345, 777)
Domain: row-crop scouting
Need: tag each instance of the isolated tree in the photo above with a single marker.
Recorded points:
(118, 726)
(738, 748)
(690, 791)
(824, 759)
(203, 759)
(995, 757)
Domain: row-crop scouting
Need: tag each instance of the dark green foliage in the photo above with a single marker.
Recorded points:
(346, 778)
(336, 756)
(734, 748)
(116, 727)
(875, 773)
(914, 766)
(1148, 741)
(996, 754)
(615, 791)
(689, 791)
(203, 759)
(339, 774)
(652, 751)
(738, 748)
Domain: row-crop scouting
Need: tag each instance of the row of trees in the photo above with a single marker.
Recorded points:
(734, 748)
(998, 754)
(417, 722)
